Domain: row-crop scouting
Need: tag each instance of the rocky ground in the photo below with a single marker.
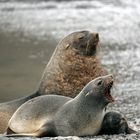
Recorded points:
(104, 137)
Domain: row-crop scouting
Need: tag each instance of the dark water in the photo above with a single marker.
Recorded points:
(29, 32)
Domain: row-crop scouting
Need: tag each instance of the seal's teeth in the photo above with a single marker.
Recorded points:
(109, 97)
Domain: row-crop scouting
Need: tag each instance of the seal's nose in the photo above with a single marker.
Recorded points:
(109, 79)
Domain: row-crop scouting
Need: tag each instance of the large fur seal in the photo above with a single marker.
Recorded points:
(54, 115)
(73, 64)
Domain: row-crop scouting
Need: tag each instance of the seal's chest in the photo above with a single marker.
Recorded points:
(94, 125)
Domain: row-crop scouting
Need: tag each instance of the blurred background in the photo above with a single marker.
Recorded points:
(30, 30)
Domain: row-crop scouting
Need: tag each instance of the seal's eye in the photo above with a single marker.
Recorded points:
(81, 36)
(99, 83)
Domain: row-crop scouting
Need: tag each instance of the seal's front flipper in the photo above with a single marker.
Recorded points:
(115, 123)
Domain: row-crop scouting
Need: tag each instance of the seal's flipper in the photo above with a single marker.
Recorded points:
(21, 135)
(10, 133)
(131, 131)
(45, 130)
(35, 134)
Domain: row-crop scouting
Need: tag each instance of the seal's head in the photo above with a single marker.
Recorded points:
(83, 42)
(99, 89)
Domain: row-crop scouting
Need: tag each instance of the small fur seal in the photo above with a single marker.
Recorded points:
(54, 115)
(73, 64)
(115, 123)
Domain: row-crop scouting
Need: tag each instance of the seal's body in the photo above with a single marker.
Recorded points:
(37, 111)
(54, 115)
(73, 64)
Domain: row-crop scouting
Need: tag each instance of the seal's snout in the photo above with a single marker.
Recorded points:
(110, 80)
(110, 76)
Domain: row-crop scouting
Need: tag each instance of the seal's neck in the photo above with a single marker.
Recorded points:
(88, 102)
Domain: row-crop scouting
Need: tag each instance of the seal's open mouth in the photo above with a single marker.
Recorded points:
(108, 92)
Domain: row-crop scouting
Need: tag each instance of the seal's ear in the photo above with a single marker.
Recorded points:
(88, 93)
(67, 46)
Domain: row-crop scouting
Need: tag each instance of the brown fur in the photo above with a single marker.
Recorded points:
(5, 115)
(73, 76)
(4, 118)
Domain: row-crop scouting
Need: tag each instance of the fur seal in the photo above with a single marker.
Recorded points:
(115, 123)
(55, 115)
(73, 64)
